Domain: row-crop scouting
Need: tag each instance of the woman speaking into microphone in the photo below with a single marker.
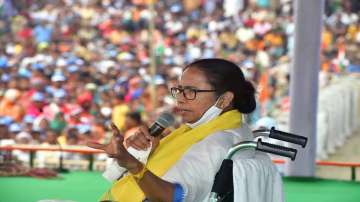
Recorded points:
(211, 96)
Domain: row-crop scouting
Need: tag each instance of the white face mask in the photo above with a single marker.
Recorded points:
(210, 114)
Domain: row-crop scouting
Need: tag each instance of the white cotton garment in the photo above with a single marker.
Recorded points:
(114, 171)
(257, 180)
(196, 170)
(255, 176)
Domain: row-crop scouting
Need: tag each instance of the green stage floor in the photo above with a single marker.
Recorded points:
(88, 186)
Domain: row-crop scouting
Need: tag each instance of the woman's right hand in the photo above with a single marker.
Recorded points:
(141, 139)
(115, 149)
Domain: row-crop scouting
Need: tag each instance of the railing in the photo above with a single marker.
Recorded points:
(85, 150)
(73, 149)
(352, 165)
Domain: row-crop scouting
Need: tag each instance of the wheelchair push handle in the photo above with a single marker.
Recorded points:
(276, 149)
(288, 137)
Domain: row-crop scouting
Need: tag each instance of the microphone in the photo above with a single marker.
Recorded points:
(114, 171)
(165, 120)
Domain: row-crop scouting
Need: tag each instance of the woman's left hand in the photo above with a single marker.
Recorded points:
(115, 149)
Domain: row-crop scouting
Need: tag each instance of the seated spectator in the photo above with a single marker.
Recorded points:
(10, 107)
(132, 123)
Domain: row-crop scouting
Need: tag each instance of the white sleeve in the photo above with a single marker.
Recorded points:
(113, 171)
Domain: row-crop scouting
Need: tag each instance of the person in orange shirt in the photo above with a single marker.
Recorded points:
(10, 107)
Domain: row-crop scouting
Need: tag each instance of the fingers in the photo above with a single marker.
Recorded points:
(138, 141)
(131, 143)
(113, 156)
(154, 140)
(116, 132)
(145, 131)
(96, 145)
(141, 140)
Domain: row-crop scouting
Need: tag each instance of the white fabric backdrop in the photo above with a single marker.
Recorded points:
(338, 115)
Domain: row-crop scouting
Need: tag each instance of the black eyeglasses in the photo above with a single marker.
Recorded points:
(188, 92)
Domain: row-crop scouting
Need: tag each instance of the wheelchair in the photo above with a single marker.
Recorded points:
(223, 186)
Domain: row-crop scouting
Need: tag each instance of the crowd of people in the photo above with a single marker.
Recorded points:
(70, 68)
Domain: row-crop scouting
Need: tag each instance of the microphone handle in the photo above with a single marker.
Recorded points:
(156, 129)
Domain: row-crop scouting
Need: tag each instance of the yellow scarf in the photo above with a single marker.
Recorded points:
(176, 144)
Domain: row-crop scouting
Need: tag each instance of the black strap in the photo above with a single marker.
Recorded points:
(223, 182)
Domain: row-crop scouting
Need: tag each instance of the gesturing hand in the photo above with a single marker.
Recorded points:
(142, 140)
(115, 149)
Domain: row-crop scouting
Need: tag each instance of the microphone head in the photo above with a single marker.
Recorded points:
(165, 119)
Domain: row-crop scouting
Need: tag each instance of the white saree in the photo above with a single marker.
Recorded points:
(256, 178)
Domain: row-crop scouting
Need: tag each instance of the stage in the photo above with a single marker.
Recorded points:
(88, 186)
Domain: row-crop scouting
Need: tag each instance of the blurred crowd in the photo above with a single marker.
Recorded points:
(70, 67)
